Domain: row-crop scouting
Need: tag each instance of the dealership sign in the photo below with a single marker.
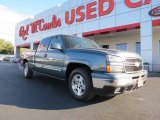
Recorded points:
(79, 14)
(155, 11)
(39, 25)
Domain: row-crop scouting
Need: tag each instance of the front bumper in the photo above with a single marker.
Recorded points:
(117, 83)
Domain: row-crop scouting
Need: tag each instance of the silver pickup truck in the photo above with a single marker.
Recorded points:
(87, 68)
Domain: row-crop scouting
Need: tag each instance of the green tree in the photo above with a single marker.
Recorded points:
(2, 43)
(6, 47)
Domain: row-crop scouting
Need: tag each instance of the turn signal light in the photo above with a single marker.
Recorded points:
(108, 68)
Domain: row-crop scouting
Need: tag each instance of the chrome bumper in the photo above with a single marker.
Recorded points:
(119, 82)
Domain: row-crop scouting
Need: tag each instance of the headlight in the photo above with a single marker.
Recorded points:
(114, 64)
(115, 59)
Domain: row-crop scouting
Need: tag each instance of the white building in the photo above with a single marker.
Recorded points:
(132, 25)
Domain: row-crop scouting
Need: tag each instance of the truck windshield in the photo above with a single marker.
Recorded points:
(77, 42)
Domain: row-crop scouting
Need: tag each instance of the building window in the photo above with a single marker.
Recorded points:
(122, 46)
(105, 46)
(138, 48)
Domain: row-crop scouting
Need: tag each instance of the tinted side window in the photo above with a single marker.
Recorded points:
(44, 44)
(56, 43)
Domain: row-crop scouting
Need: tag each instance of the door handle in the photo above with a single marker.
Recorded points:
(45, 55)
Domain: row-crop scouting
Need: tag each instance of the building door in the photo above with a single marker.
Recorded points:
(138, 48)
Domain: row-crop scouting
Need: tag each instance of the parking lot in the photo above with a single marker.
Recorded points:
(43, 98)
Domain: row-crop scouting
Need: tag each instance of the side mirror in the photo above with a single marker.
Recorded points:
(56, 46)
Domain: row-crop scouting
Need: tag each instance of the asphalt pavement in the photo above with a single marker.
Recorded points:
(44, 98)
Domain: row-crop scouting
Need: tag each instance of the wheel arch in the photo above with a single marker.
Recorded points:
(74, 65)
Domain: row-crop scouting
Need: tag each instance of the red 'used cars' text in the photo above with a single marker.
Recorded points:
(89, 11)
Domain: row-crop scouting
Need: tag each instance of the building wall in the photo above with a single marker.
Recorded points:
(130, 37)
(156, 49)
(121, 15)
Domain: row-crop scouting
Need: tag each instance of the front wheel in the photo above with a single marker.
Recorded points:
(80, 84)
(28, 73)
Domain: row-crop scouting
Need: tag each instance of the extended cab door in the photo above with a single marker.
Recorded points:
(54, 60)
(41, 54)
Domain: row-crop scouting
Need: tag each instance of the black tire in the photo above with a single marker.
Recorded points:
(87, 93)
(28, 73)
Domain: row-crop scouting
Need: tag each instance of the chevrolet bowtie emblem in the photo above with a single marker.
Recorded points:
(137, 64)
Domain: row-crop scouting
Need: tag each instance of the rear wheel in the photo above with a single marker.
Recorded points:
(28, 73)
(80, 84)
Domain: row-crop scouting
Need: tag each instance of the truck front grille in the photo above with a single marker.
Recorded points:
(133, 64)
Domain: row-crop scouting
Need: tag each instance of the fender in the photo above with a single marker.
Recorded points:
(79, 61)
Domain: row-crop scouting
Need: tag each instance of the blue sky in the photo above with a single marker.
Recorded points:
(30, 7)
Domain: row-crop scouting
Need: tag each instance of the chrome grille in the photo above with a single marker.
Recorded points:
(133, 64)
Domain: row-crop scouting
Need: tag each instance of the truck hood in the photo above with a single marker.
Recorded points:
(119, 53)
